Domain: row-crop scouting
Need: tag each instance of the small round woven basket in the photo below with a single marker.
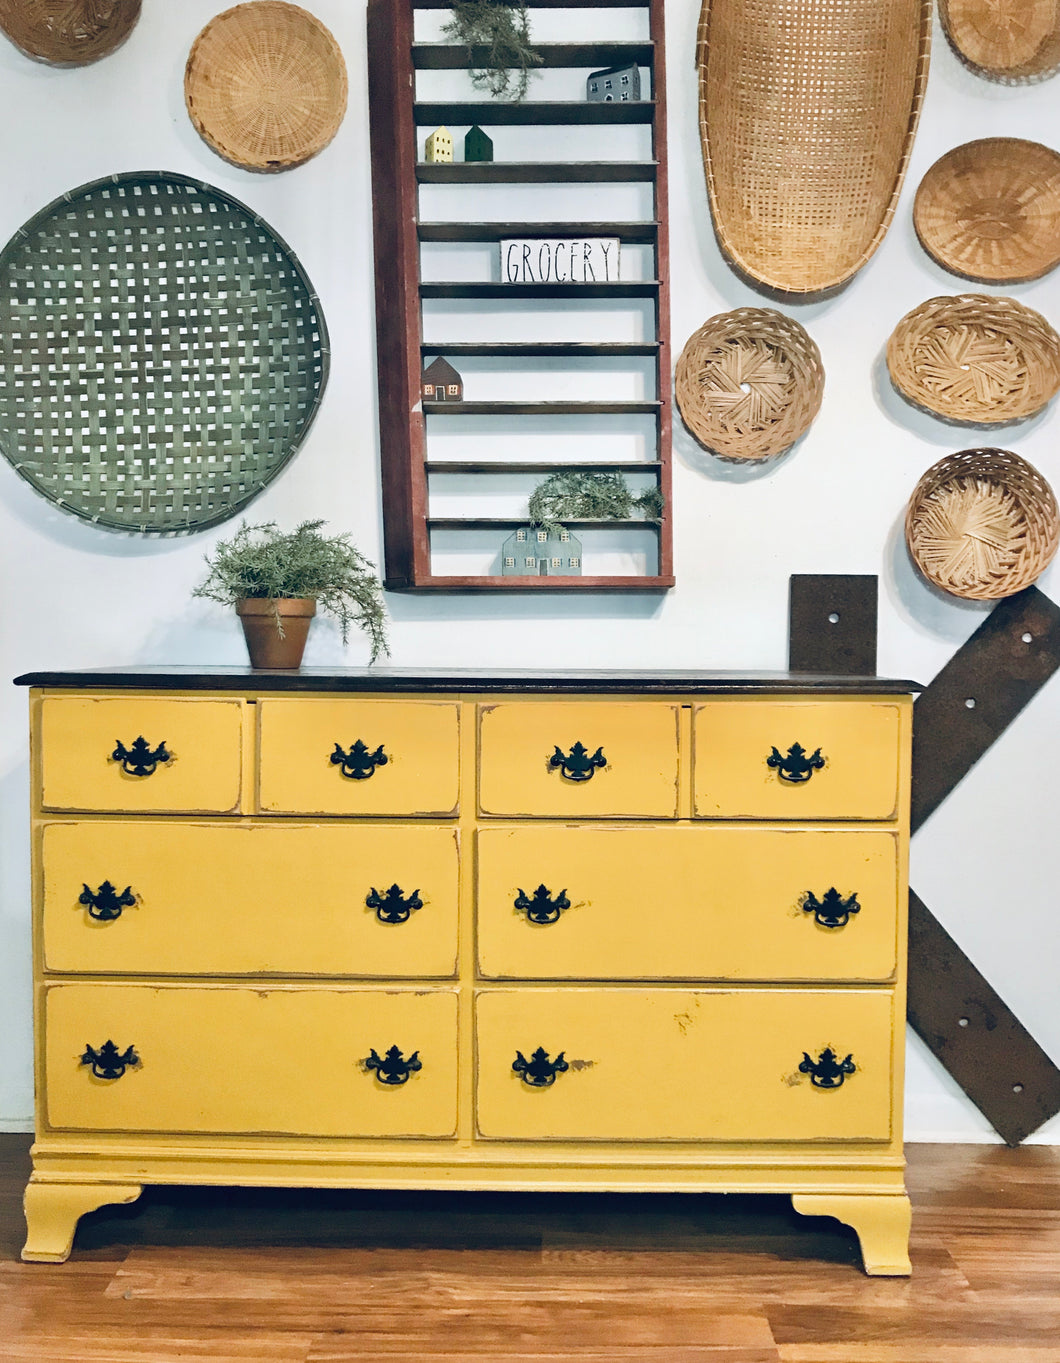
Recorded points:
(990, 210)
(982, 524)
(265, 85)
(974, 359)
(1005, 40)
(749, 383)
(68, 32)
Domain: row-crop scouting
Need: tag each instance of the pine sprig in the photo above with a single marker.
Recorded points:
(504, 30)
(574, 495)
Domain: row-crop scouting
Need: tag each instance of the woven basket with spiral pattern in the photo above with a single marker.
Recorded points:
(1011, 41)
(982, 524)
(749, 383)
(975, 359)
(68, 32)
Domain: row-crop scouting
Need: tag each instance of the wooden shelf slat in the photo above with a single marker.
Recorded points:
(548, 4)
(497, 231)
(540, 466)
(503, 522)
(530, 113)
(516, 349)
(439, 583)
(540, 408)
(535, 172)
(456, 57)
(617, 288)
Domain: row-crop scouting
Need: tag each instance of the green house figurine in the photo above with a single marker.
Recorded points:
(532, 551)
(477, 145)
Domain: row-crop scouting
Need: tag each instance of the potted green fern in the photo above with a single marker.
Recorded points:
(276, 581)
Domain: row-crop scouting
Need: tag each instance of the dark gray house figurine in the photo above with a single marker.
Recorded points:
(533, 552)
(440, 382)
(478, 146)
(620, 85)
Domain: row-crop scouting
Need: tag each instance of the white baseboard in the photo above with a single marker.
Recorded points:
(17, 1124)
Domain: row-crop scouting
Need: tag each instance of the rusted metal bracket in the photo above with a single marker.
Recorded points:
(833, 624)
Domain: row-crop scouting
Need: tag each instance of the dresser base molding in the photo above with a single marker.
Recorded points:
(54, 1209)
(882, 1226)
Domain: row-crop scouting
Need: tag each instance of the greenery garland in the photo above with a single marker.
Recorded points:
(504, 30)
(574, 495)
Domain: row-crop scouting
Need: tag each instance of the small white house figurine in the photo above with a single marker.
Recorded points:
(439, 146)
(532, 552)
(440, 382)
(621, 85)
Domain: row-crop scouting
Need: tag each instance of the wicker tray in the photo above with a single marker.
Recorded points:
(807, 114)
(749, 383)
(974, 359)
(68, 32)
(162, 353)
(1004, 40)
(265, 85)
(982, 524)
(990, 210)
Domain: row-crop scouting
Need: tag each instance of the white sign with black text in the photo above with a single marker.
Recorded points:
(548, 260)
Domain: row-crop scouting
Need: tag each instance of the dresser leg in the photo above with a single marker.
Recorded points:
(881, 1221)
(53, 1211)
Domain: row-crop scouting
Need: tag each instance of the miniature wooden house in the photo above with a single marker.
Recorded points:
(478, 146)
(440, 382)
(439, 146)
(620, 84)
(533, 552)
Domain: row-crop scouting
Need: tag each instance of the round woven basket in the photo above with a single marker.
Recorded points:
(1005, 40)
(975, 359)
(982, 524)
(68, 32)
(990, 210)
(265, 85)
(749, 383)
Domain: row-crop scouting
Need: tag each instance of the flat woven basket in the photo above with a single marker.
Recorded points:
(68, 32)
(982, 524)
(265, 85)
(1012, 41)
(807, 113)
(162, 353)
(975, 359)
(990, 210)
(749, 383)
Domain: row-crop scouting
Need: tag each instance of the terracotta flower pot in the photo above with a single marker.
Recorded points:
(264, 644)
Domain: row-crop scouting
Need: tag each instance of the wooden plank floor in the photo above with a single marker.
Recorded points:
(324, 1277)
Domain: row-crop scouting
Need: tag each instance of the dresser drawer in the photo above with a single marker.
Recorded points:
(683, 1065)
(241, 898)
(577, 759)
(142, 754)
(229, 1059)
(678, 902)
(355, 756)
(808, 759)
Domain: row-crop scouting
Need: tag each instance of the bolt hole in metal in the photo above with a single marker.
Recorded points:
(962, 1022)
(833, 619)
(969, 704)
(1017, 1088)
(1027, 638)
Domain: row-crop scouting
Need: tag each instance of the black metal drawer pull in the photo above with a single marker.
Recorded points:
(580, 764)
(833, 911)
(796, 766)
(393, 1068)
(392, 906)
(827, 1071)
(106, 904)
(539, 1072)
(358, 764)
(140, 759)
(541, 907)
(108, 1062)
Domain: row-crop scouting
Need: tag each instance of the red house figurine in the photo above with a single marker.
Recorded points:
(440, 382)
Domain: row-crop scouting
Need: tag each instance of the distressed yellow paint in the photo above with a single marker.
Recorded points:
(280, 897)
(79, 735)
(639, 743)
(690, 1065)
(858, 742)
(298, 736)
(682, 902)
(237, 1059)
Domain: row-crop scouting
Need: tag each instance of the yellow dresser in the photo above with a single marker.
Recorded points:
(391, 930)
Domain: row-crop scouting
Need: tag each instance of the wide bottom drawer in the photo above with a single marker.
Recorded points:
(230, 1059)
(663, 1064)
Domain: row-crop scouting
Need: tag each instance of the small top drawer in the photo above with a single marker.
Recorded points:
(580, 760)
(141, 754)
(800, 759)
(354, 756)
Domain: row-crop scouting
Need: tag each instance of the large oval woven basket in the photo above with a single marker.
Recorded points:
(1004, 40)
(990, 210)
(807, 113)
(749, 383)
(162, 353)
(68, 32)
(982, 524)
(265, 85)
(975, 359)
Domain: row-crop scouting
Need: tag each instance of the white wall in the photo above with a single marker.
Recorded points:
(72, 596)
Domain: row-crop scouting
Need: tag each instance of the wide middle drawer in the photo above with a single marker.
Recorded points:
(250, 898)
(672, 901)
